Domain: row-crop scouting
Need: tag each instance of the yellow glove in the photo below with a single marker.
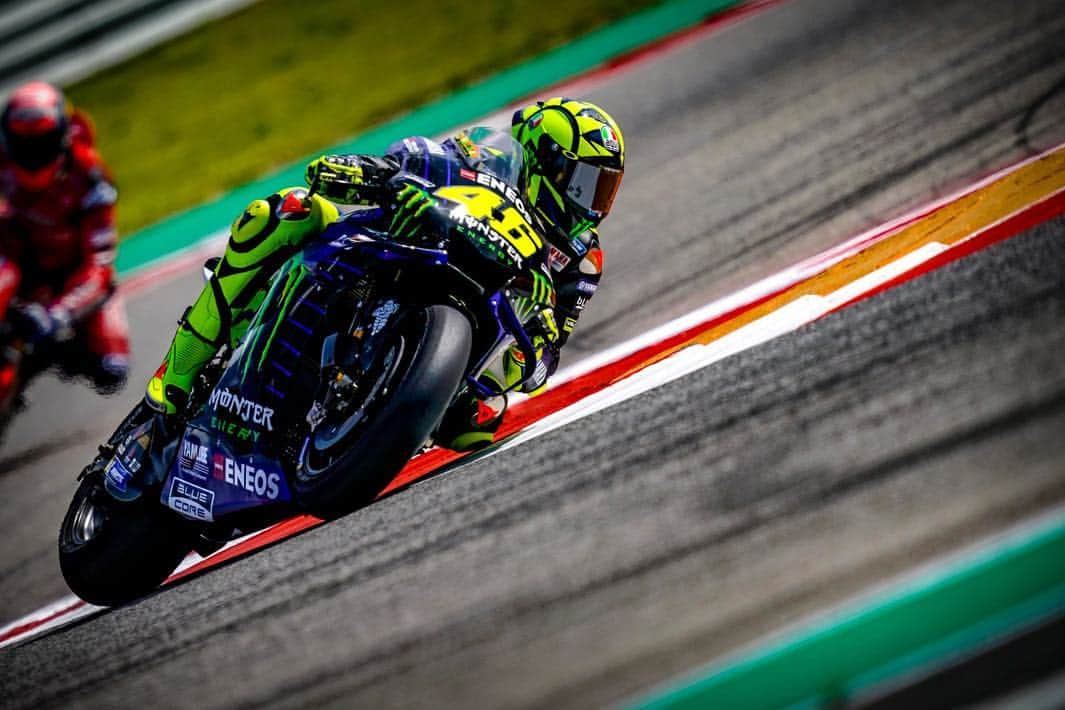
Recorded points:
(338, 177)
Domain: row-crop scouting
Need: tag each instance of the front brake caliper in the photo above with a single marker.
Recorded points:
(338, 388)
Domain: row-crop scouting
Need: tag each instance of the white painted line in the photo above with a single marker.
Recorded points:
(57, 614)
(70, 608)
(786, 319)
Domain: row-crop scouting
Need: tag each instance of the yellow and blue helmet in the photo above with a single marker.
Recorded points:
(575, 157)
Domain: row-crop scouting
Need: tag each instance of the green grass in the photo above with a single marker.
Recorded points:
(279, 80)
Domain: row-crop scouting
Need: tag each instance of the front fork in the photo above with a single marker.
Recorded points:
(347, 358)
(509, 333)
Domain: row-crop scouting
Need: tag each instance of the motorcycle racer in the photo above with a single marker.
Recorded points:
(574, 158)
(58, 238)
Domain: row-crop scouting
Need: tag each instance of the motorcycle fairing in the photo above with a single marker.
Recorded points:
(227, 458)
(210, 478)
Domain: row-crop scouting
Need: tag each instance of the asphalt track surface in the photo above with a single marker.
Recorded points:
(657, 534)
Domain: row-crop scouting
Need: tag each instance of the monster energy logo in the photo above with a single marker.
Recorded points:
(235, 429)
(460, 215)
(242, 407)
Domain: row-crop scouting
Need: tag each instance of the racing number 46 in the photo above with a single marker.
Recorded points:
(484, 204)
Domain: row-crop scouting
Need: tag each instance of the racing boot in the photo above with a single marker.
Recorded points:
(470, 423)
(261, 239)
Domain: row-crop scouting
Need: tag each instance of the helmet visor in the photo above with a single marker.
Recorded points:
(593, 188)
(35, 152)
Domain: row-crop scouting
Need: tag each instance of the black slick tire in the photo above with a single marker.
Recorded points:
(429, 375)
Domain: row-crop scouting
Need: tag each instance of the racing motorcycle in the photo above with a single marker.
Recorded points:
(359, 345)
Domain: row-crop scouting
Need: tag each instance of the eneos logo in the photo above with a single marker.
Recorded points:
(247, 476)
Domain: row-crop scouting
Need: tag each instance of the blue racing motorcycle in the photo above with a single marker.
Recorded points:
(359, 345)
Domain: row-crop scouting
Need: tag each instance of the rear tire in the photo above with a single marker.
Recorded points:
(435, 350)
(112, 552)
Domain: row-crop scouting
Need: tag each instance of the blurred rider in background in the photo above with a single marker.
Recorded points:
(58, 238)
(574, 159)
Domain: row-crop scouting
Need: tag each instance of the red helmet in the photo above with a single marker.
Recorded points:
(33, 129)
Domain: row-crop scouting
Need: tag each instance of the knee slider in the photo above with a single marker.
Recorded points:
(284, 211)
(266, 225)
(253, 221)
(291, 204)
(298, 221)
(326, 211)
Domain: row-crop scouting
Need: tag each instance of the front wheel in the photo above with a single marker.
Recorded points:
(112, 552)
(347, 463)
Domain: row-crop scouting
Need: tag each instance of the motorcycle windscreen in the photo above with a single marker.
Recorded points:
(498, 153)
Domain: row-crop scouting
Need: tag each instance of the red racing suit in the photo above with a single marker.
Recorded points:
(57, 248)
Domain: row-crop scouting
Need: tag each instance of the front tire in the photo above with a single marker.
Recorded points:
(112, 552)
(432, 359)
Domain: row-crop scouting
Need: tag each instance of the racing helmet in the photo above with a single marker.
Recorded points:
(33, 131)
(575, 157)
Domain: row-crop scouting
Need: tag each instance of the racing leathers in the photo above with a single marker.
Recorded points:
(57, 248)
(395, 189)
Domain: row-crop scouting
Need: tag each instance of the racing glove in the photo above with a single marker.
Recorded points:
(350, 179)
(41, 324)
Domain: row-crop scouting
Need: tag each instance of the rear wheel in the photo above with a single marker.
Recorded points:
(348, 462)
(112, 552)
